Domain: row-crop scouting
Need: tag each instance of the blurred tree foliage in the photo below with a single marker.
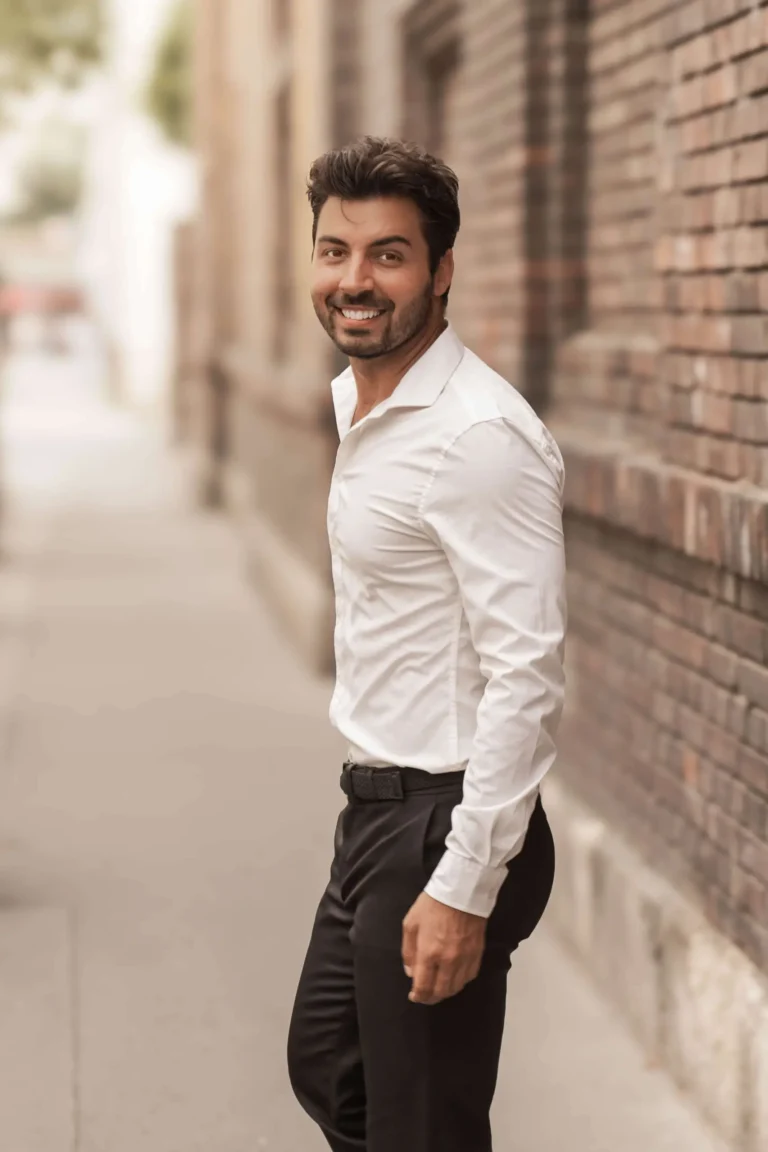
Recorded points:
(169, 93)
(47, 39)
(50, 179)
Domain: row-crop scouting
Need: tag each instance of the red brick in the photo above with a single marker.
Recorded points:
(751, 160)
(752, 421)
(720, 86)
(757, 730)
(753, 74)
(742, 634)
(726, 207)
(751, 204)
(753, 683)
(659, 391)
(716, 413)
(754, 854)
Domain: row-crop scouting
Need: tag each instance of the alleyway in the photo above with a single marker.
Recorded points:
(168, 784)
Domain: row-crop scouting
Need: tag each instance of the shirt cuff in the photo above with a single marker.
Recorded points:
(465, 885)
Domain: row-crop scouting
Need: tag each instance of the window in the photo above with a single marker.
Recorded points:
(440, 76)
(431, 59)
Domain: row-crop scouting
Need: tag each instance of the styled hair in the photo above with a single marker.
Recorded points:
(376, 166)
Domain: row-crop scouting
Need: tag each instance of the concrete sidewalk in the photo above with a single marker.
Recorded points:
(168, 792)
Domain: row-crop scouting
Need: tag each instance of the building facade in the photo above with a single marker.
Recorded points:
(613, 265)
(137, 188)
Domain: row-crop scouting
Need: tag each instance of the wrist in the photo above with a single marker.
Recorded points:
(466, 885)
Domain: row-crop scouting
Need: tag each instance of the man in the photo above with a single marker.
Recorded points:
(445, 526)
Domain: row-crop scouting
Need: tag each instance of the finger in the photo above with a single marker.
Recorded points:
(409, 946)
(469, 971)
(445, 979)
(460, 980)
(474, 969)
(423, 987)
(466, 976)
(455, 978)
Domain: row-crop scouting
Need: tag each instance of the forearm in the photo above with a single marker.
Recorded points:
(513, 750)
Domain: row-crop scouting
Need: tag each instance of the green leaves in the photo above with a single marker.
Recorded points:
(44, 39)
(169, 93)
(51, 176)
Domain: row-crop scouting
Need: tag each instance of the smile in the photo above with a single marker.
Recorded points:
(361, 314)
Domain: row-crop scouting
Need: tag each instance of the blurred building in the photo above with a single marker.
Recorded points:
(137, 189)
(613, 265)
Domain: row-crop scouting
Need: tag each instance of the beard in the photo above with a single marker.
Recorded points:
(391, 331)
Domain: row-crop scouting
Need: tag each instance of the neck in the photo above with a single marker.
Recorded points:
(377, 379)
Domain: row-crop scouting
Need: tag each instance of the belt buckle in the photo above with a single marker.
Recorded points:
(366, 783)
(363, 785)
(389, 784)
(357, 782)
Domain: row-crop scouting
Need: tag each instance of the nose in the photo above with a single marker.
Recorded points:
(356, 276)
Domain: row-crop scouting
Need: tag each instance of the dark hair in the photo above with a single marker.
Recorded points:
(378, 166)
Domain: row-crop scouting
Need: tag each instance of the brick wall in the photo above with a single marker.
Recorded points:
(487, 149)
(613, 264)
(661, 403)
(609, 370)
(613, 158)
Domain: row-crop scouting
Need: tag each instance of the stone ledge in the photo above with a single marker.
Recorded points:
(301, 598)
(715, 521)
(696, 1003)
(202, 475)
(287, 392)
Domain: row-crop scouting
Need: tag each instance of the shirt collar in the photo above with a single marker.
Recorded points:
(419, 388)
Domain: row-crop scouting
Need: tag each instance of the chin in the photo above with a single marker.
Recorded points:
(360, 350)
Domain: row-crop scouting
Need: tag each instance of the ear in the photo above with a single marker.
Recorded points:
(444, 274)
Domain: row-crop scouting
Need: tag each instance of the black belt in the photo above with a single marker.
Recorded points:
(364, 783)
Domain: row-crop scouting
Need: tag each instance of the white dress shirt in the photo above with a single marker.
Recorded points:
(445, 527)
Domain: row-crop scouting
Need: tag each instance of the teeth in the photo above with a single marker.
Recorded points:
(357, 314)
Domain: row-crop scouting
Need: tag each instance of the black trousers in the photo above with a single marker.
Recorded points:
(374, 1071)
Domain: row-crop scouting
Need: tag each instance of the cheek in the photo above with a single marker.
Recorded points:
(323, 284)
(404, 289)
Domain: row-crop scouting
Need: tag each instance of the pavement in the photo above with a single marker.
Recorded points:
(168, 789)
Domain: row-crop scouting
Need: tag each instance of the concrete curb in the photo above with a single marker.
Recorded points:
(696, 1003)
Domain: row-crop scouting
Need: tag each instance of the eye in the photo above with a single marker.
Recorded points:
(391, 258)
(332, 253)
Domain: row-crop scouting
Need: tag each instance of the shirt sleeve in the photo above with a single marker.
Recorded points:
(495, 508)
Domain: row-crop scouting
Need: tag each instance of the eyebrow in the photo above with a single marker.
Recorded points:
(385, 242)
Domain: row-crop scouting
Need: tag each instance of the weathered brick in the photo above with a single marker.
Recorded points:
(752, 768)
(750, 160)
(748, 334)
(753, 74)
(614, 261)
(722, 665)
(757, 730)
(753, 598)
(753, 682)
(751, 423)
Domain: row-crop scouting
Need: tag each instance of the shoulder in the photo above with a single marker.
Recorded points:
(491, 416)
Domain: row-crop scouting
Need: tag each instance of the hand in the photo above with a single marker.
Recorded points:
(442, 949)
